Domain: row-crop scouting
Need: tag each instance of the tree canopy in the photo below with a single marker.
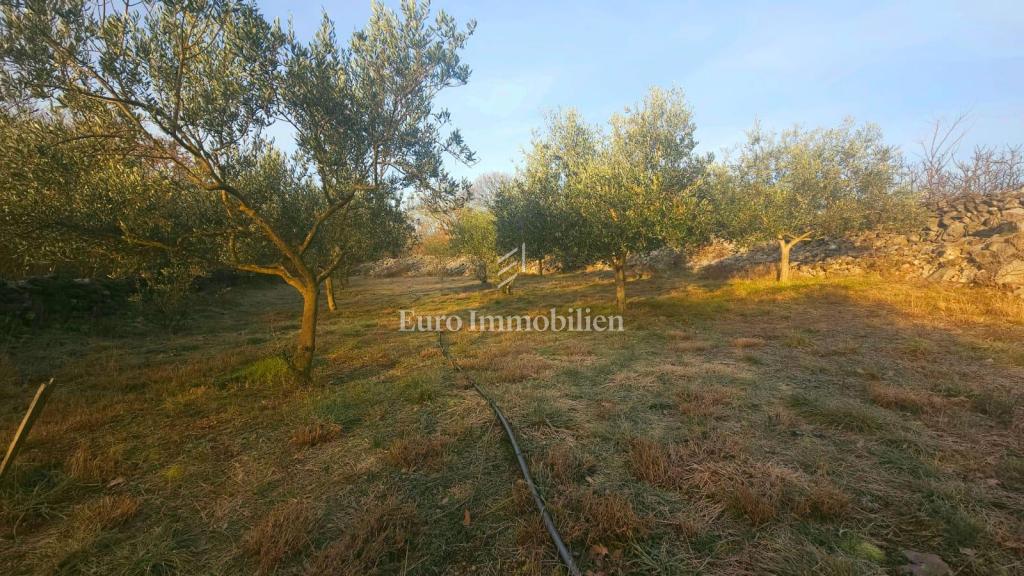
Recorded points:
(598, 196)
(638, 191)
(188, 91)
(799, 184)
(473, 235)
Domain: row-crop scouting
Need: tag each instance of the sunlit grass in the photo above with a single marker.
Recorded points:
(735, 427)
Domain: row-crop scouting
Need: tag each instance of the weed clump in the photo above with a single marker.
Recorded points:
(281, 533)
(90, 467)
(271, 370)
(107, 512)
(417, 453)
(376, 534)
(315, 434)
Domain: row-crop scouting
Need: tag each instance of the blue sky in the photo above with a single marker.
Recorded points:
(899, 64)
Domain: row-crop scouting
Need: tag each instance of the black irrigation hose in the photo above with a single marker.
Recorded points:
(563, 551)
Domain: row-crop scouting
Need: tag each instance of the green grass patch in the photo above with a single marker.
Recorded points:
(839, 413)
(270, 370)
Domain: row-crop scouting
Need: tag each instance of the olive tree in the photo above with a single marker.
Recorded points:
(473, 235)
(376, 226)
(192, 87)
(640, 188)
(534, 207)
(526, 214)
(797, 185)
(68, 207)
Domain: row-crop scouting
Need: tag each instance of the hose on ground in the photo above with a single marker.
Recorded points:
(549, 524)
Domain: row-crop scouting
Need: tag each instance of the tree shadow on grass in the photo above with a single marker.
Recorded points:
(920, 420)
(776, 398)
(915, 418)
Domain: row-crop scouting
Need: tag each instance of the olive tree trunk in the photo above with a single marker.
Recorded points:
(540, 266)
(619, 265)
(785, 247)
(302, 362)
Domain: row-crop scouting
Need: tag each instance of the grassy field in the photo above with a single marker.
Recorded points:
(820, 427)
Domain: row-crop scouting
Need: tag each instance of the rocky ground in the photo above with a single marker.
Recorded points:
(416, 265)
(977, 241)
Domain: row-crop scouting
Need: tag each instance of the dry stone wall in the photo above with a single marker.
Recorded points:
(977, 241)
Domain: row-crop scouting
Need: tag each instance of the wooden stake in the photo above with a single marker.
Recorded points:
(26, 424)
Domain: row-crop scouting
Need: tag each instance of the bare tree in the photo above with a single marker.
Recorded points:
(932, 175)
(485, 188)
(988, 170)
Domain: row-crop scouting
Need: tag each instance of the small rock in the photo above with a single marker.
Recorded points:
(954, 232)
(942, 274)
(1012, 273)
(1000, 247)
(1014, 214)
(925, 564)
(950, 252)
(999, 228)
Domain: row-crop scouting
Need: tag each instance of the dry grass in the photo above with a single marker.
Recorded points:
(107, 512)
(82, 418)
(824, 500)
(690, 346)
(577, 351)
(519, 368)
(735, 428)
(761, 492)
(1011, 472)
(284, 531)
(90, 466)
(417, 453)
(610, 517)
(748, 342)
(315, 434)
(899, 398)
(8, 371)
(948, 305)
(840, 413)
(758, 501)
(650, 462)
(380, 529)
(565, 464)
(507, 361)
(706, 400)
